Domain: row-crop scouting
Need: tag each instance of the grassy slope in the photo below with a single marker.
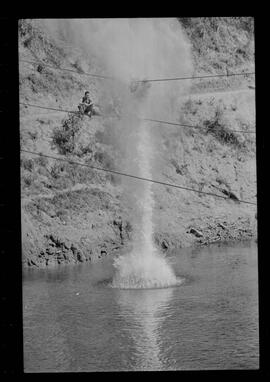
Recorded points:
(72, 214)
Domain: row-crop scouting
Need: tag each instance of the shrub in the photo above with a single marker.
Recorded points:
(63, 138)
(217, 128)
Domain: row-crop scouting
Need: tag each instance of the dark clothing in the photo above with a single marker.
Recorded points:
(86, 100)
(86, 106)
(88, 109)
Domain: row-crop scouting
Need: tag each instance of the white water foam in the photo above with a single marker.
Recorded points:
(144, 267)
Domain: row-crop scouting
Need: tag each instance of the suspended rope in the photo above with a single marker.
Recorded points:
(67, 70)
(134, 176)
(138, 81)
(143, 119)
(194, 77)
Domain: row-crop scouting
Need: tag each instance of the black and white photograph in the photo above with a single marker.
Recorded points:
(138, 191)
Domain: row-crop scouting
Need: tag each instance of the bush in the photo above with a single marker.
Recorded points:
(63, 138)
(218, 129)
(64, 141)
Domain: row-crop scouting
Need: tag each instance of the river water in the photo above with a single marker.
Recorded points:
(73, 320)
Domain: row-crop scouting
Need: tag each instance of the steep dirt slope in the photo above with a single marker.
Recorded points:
(71, 213)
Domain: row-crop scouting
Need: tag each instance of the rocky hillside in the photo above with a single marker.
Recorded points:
(72, 213)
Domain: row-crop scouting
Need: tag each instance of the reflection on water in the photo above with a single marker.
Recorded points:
(144, 312)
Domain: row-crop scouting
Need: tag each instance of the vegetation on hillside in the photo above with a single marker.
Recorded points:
(220, 43)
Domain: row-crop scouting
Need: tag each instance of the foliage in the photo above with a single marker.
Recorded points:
(218, 129)
(223, 42)
(63, 138)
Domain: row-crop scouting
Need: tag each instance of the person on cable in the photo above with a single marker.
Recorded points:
(86, 106)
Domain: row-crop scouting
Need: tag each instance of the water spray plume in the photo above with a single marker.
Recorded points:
(131, 50)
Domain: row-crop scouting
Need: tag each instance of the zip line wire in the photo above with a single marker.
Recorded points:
(192, 126)
(48, 108)
(68, 70)
(143, 119)
(138, 81)
(151, 80)
(194, 77)
(132, 176)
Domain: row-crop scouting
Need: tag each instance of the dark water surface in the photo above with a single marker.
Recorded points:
(74, 322)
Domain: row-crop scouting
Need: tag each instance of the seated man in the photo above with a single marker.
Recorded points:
(86, 106)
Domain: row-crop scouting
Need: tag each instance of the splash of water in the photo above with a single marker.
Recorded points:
(144, 267)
